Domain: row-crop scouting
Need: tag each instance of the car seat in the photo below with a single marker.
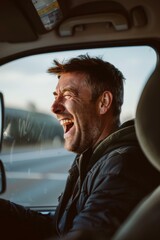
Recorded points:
(144, 221)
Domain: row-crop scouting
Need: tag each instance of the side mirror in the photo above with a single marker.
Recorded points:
(2, 170)
(1, 118)
(2, 178)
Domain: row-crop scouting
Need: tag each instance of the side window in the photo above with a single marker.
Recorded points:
(35, 161)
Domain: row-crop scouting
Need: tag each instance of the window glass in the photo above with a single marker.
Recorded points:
(35, 161)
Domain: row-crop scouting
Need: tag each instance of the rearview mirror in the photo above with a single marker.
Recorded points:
(2, 170)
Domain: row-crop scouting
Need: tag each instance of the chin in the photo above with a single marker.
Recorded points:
(68, 146)
(71, 148)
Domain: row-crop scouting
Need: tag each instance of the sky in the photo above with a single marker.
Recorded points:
(25, 82)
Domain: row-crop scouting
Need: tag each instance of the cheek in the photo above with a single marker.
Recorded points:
(69, 106)
(74, 106)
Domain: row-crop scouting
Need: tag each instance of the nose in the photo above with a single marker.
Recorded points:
(57, 107)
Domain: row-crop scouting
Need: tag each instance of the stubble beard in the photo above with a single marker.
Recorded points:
(82, 141)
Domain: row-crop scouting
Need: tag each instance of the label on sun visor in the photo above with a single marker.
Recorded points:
(49, 12)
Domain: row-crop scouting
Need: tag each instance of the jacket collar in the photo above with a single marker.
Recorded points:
(125, 135)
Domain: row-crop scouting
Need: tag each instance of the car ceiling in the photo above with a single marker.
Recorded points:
(84, 23)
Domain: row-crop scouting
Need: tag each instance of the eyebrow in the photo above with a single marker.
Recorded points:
(55, 93)
(73, 90)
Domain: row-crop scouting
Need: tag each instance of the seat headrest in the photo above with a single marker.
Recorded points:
(147, 120)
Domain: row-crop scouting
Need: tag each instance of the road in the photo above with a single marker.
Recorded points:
(36, 178)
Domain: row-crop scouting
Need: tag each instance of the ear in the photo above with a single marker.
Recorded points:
(105, 102)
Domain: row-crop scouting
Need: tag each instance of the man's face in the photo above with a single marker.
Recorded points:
(77, 113)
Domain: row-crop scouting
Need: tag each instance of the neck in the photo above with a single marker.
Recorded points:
(107, 128)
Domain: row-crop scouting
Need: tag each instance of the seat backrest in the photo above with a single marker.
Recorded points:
(148, 119)
(144, 222)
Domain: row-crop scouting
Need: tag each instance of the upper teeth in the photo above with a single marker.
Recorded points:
(65, 121)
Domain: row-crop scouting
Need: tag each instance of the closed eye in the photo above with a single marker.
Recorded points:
(67, 95)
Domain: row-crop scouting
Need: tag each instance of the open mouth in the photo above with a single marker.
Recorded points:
(67, 124)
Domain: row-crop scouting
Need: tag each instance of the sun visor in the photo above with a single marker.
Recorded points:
(16, 27)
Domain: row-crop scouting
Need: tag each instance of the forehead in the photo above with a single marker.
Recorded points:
(73, 80)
